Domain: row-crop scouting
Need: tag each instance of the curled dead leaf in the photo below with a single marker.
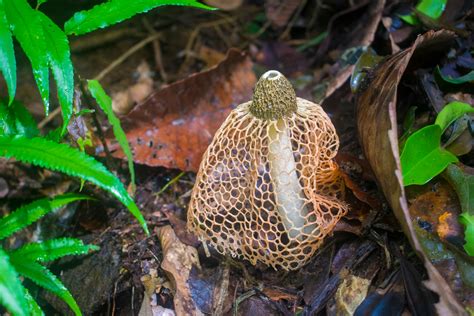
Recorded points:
(377, 126)
(178, 261)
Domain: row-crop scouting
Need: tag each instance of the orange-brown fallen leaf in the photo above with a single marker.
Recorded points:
(174, 126)
(276, 294)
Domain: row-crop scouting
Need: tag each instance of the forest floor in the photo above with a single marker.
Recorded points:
(185, 70)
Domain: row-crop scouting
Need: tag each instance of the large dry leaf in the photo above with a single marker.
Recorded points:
(377, 126)
(176, 124)
(178, 261)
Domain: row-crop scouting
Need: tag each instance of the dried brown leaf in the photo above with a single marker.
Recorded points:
(176, 124)
(178, 260)
(377, 126)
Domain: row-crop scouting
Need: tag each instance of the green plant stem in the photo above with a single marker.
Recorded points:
(90, 101)
(171, 182)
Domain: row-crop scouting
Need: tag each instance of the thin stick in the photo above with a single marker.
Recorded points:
(293, 20)
(157, 49)
(125, 55)
(194, 35)
(104, 72)
(171, 182)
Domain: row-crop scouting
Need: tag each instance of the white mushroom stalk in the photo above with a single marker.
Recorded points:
(274, 98)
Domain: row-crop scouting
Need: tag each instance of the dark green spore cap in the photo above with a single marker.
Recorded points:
(274, 97)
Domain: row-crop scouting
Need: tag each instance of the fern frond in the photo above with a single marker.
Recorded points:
(33, 307)
(29, 213)
(63, 158)
(115, 11)
(25, 25)
(105, 103)
(17, 120)
(47, 280)
(7, 54)
(59, 57)
(12, 293)
(7, 121)
(51, 249)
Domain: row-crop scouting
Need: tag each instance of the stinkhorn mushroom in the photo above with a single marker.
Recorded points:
(268, 189)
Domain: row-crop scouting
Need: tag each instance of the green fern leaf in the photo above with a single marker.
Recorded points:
(52, 249)
(63, 158)
(24, 122)
(26, 26)
(47, 280)
(30, 213)
(33, 307)
(105, 103)
(115, 11)
(17, 120)
(7, 54)
(59, 57)
(7, 121)
(12, 293)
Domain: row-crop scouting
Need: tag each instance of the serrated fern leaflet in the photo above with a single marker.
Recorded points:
(7, 54)
(34, 308)
(47, 280)
(12, 293)
(59, 59)
(26, 26)
(105, 103)
(63, 158)
(30, 213)
(52, 249)
(16, 120)
(114, 11)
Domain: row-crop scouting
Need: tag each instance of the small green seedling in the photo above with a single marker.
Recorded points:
(433, 9)
(423, 157)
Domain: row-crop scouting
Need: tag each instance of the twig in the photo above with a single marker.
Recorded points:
(104, 72)
(125, 55)
(224, 38)
(172, 181)
(288, 28)
(194, 34)
(103, 37)
(157, 50)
